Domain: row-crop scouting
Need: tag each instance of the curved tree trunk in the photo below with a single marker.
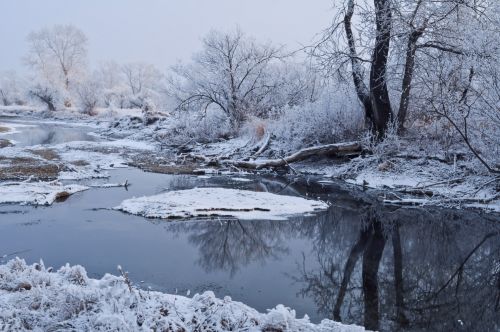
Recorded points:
(357, 69)
(375, 99)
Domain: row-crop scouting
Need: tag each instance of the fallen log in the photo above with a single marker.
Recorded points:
(337, 149)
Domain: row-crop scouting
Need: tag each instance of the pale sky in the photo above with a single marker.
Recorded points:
(158, 31)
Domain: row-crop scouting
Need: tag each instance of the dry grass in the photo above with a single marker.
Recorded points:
(47, 154)
(21, 168)
(79, 162)
(4, 129)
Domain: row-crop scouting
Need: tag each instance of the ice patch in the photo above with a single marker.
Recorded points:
(199, 202)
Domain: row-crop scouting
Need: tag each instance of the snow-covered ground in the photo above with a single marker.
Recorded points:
(200, 202)
(36, 193)
(33, 297)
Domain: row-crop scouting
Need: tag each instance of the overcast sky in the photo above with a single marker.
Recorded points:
(157, 31)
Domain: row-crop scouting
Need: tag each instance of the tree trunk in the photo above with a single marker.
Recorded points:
(357, 68)
(382, 113)
(411, 49)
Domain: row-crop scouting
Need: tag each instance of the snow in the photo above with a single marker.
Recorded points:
(32, 297)
(36, 193)
(199, 202)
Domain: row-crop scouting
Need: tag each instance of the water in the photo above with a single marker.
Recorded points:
(45, 133)
(424, 269)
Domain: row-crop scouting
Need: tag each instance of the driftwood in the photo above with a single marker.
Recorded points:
(456, 200)
(337, 149)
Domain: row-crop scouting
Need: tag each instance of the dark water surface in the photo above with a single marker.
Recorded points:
(358, 262)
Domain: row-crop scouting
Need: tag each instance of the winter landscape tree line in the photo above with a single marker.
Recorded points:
(400, 69)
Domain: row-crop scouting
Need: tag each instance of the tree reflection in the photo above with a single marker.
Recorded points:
(228, 245)
(384, 268)
(406, 269)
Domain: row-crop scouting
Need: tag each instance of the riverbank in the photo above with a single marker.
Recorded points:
(399, 170)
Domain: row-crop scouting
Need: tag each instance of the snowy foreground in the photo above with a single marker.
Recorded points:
(33, 297)
(202, 202)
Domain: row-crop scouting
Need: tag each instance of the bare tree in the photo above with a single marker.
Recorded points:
(140, 77)
(393, 39)
(58, 54)
(332, 52)
(232, 72)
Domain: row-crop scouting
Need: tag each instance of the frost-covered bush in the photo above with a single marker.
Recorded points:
(33, 297)
(334, 117)
(185, 126)
(115, 97)
(89, 95)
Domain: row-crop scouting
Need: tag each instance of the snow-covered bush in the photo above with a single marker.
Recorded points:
(33, 297)
(89, 95)
(334, 117)
(185, 126)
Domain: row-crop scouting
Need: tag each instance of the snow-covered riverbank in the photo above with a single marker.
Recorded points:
(403, 172)
(33, 297)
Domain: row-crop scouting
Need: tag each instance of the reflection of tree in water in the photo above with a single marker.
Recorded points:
(403, 269)
(230, 244)
(419, 270)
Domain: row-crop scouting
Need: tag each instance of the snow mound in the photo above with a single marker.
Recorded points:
(201, 202)
(36, 193)
(32, 298)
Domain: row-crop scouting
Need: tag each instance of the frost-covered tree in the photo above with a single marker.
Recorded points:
(345, 49)
(232, 72)
(115, 92)
(407, 57)
(58, 54)
(143, 81)
(382, 43)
